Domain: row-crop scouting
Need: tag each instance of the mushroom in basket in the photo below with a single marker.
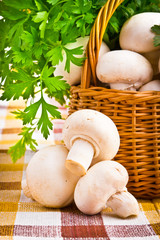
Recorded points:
(136, 63)
(124, 69)
(151, 86)
(136, 34)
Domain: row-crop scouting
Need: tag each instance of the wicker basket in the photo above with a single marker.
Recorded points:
(136, 115)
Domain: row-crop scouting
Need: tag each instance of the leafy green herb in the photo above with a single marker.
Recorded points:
(33, 39)
(71, 58)
(18, 150)
(156, 29)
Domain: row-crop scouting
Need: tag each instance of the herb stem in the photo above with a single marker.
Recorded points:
(63, 1)
(41, 79)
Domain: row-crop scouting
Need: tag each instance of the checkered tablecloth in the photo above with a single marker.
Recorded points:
(24, 219)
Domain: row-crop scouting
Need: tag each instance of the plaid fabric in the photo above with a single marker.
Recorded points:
(24, 219)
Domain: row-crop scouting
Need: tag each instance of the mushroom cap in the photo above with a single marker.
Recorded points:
(136, 34)
(25, 189)
(95, 127)
(151, 86)
(119, 66)
(49, 182)
(124, 204)
(153, 58)
(101, 181)
(159, 64)
(74, 76)
(103, 49)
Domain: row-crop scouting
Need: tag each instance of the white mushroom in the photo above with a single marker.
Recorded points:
(153, 58)
(136, 34)
(122, 86)
(101, 181)
(124, 204)
(47, 180)
(89, 134)
(124, 66)
(73, 77)
(151, 86)
(103, 49)
(25, 188)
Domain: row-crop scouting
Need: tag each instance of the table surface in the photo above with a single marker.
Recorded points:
(24, 219)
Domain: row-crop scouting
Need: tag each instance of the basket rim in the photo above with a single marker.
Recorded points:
(113, 95)
(109, 90)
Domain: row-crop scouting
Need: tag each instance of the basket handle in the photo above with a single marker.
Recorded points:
(95, 40)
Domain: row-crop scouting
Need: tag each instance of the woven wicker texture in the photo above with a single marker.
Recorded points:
(136, 115)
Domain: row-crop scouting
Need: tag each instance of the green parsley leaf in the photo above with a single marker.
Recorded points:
(38, 49)
(15, 28)
(22, 57)
(114, 24)
(156, 29)
(41, 17)
(55, 55)
(23, 86)
(53, 2)
(4, 27)
(20, 4)
(71, 58)
(28, 39)
(30, 112)
(18, 150)
(156, 41)
(44, 123)
(14, 14)
(89, 18)
(38, 5)
(54, 84)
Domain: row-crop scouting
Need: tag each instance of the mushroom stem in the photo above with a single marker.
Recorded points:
(124, 204)
(79, 157)
(25, 189)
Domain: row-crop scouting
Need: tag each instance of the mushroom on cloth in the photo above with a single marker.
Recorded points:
(47, 180)
(123, 204)
(136, 34)
(73, 77)
(151, 86)
(25, 188)
(89, 134)
(102, 181)
(124, 66)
